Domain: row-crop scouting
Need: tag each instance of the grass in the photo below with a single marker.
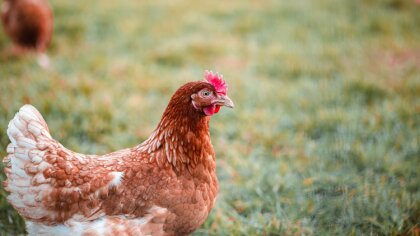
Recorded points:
(324, 138)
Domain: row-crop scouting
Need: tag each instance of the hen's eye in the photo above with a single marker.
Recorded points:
(205, 93)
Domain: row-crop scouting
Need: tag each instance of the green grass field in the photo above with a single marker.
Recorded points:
(324, 138)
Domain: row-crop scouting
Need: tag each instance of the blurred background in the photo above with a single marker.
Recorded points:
(324, 137)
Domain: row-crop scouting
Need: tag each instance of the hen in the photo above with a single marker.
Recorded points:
(29, 23)
(164, 186)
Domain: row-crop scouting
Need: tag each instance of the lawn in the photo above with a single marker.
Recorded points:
(324, 137)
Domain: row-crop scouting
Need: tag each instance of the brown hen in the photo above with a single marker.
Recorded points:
(164, 186)
(29, 23)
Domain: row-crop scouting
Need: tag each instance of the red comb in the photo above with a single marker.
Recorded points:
(217, 81)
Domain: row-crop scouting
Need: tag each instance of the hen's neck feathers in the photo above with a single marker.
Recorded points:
(182, 137)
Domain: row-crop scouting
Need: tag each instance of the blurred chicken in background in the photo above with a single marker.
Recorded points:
(29, 23)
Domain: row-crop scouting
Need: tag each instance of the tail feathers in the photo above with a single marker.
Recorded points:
(24, 164)
(27, 132)
(27, 128)
(43, 177)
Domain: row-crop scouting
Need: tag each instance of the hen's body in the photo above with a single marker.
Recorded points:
(164, 186)
(29, 23)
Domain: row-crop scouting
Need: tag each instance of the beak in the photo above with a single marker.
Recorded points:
(224, 100)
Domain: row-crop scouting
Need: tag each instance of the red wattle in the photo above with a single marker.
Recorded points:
(217, 109)
(211, 110)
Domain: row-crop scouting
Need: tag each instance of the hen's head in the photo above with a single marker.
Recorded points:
(211, 94)
(202, 97)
